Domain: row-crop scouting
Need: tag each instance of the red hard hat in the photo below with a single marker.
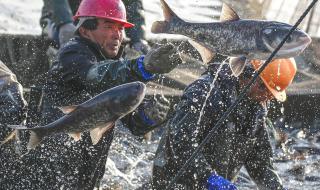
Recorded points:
(113, 10)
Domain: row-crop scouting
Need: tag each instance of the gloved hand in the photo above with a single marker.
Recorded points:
(155, 111)
(162, 59)
(66, 32)
(216, 182)
(141, 46)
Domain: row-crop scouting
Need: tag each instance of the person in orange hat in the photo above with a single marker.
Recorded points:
(277, 76)
(242, 140)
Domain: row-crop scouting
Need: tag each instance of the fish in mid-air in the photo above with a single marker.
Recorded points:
(96, 115)
(234, 37)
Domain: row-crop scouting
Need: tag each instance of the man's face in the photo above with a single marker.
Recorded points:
(108, 35)
(258, 91)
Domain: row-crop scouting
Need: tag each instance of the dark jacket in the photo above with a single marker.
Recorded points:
(79, 73)
(242, 141)
(61, 12)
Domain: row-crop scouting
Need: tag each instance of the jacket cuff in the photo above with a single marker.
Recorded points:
(145, 74)
(145, 118)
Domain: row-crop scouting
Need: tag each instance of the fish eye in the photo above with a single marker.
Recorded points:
(289, 39)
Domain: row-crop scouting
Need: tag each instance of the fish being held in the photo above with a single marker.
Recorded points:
(234, 37)
(97, 114)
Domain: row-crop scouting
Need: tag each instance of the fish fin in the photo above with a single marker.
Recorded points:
(237, 65)
(97, 133)
(148, 136)
(169, 15)
(75, 136)
(228, 14)
(9, 137)
(34, 140)
(68, 109)
(205, 53)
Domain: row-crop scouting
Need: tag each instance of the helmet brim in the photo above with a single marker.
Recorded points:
(120, 21)
(279, 95)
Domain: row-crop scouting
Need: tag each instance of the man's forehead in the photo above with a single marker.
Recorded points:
(108, 22)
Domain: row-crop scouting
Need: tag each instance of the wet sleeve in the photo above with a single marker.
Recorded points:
(135, 15)
(186, 133)
(57, 10)
(260, 165)
(83, 69)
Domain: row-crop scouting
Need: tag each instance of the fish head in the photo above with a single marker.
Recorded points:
(126, 98)
(273, 34)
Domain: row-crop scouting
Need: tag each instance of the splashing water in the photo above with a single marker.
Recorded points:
(211, 87)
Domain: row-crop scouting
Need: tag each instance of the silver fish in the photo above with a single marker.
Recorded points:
(96, 115)
(234, 37)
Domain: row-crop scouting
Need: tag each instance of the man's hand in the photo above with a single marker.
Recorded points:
(155, 110)
(66, 32)
(162, 59)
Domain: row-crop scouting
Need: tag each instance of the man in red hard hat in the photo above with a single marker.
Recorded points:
(87, 65)
(56, 21)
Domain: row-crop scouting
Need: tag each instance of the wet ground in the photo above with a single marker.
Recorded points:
(297, 161)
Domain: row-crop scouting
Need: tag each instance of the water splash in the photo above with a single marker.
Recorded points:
(211, 87)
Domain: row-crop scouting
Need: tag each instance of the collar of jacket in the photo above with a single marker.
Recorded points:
(97, 48)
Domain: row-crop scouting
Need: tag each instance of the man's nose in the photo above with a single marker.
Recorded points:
(117, 33)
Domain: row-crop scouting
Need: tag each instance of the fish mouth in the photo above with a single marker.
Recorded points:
(295, 49)
(291, 49)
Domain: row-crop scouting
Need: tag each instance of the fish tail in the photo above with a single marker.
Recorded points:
(35, 137)
(9, 137)
(34, 140)
(169, 16)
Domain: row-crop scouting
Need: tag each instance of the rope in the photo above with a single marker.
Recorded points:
(241, 96)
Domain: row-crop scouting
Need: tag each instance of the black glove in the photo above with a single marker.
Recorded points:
(162, 59)
(155, 111)
(149, 115)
